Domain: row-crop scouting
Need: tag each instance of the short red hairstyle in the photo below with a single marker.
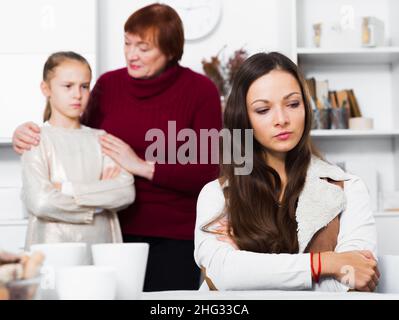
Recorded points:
(161, 24)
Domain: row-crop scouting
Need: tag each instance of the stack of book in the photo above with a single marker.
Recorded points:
(339, 105)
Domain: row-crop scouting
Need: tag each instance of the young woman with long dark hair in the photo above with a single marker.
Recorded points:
(295, 222)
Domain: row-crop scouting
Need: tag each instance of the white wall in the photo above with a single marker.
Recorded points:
(30, 30)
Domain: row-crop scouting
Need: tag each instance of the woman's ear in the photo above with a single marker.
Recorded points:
(45, 89)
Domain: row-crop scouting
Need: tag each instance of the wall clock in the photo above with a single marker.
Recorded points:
(200, 17)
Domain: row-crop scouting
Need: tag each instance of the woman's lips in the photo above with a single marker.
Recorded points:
(284, 136)
(134, 67)
(76, 106)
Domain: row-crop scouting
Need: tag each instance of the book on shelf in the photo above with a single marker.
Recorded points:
(348, 98)
(324, 98)
(354, 106)
(342, 99)
(322, 93)
(311, 84)
(332, 96)
(318, 91)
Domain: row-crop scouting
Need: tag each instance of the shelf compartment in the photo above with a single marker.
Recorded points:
(381, 55)
(5, 141)
(354, 133)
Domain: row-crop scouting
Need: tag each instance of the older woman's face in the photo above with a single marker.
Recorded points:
(143, 58)
(276, 111)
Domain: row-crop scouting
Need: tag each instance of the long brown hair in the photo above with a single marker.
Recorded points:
(259, 221)
(53, 61)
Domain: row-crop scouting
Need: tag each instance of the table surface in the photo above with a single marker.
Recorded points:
(266, 295)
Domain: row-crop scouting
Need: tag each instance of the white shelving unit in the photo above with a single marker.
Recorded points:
(383, 55)
(387, 214)
(5, 141)
(373, 73)
(355, 133)
(16, 222)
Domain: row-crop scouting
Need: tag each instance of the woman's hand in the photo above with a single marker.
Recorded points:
(125, 156)
(356, 268)
(57, 186)
(222, 228)
(110, 172)
(25, 136)
(7, 257)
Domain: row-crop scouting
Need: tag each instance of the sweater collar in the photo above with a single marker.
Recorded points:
(145, 88)
(320, 201)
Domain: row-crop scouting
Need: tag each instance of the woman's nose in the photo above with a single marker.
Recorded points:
(281, 116)
(132, 53)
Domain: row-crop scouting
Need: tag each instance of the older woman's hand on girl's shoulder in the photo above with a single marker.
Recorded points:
(25, 136)
(358, 269)
(110, 173)
(125, 156)
(57, 186)
(7, 257)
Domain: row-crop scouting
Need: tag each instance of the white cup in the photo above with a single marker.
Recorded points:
(129, 261)
(86, 283)
(360, 123)
(58, 255)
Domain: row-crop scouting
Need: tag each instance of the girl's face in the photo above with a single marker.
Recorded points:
(276, 111)
(143, 58)
(68, 89)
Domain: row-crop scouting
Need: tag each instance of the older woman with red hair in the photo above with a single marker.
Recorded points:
(152, 90)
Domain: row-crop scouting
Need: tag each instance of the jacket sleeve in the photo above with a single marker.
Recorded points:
(41, 198)
(231, 269)
(190, 178)
(357, 229)
(115, 194)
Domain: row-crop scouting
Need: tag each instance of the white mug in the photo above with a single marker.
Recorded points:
(360, 123)
(58, 255)
(130, 262)
(86, 283)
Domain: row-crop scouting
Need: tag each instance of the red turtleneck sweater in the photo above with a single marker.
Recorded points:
(128, 108)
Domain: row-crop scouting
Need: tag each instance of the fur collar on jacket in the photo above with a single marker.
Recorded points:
(320, 201)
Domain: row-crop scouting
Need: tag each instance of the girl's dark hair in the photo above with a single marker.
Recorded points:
(259, 221)
(53, 62)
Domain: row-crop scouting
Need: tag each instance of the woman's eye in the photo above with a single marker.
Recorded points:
(85, 86)
(294, 105)
(262, 111)
(68, 86)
